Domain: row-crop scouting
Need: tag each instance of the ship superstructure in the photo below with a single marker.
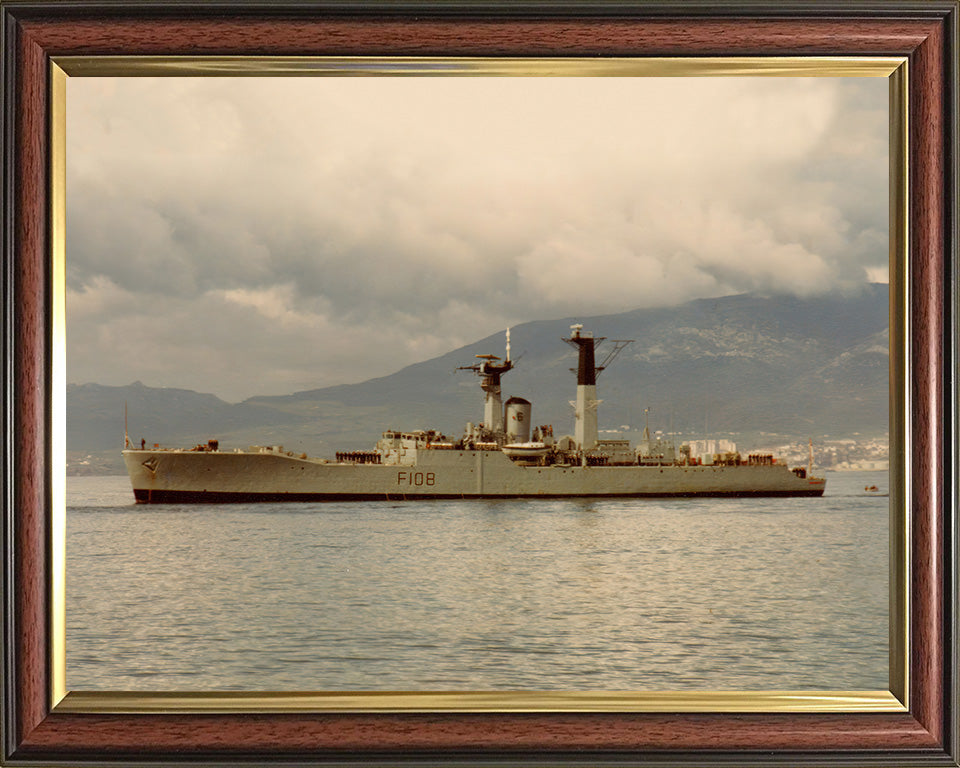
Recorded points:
(490, 369)
(501, 457)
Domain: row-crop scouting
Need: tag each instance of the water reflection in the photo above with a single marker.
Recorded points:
(545, 594)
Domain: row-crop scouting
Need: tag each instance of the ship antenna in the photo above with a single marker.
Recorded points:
(126, 435)
(508, 345)
(810, 460)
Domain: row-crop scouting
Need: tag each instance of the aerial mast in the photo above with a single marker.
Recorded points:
(490, 369)
(585, 419)
(586, 432)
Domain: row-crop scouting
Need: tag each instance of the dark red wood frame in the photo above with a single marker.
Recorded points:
(926, 32)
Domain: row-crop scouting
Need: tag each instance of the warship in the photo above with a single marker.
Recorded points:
(501, 457)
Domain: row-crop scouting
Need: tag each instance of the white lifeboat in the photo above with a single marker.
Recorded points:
(526, 450)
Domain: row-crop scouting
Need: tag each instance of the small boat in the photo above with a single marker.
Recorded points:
(526, 451)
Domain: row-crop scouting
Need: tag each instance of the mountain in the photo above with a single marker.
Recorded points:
(746, 364)
(165, 415)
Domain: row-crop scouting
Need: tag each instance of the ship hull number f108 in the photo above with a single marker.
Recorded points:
(416, 478)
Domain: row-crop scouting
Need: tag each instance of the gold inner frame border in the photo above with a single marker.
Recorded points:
(124, 702)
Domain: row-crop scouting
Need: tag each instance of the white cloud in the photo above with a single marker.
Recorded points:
(275, 304)
(383, 220)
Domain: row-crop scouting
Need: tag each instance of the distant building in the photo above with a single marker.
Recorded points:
(700, 447)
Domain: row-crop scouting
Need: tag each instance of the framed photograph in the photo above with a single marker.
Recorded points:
(115, 112)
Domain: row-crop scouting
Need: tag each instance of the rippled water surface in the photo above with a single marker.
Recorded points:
(546, 595)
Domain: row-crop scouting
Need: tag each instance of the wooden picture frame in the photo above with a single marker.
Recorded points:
(38, 731)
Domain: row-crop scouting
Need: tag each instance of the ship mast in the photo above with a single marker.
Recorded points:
(585, 427)
(586, 432)
(490, 370)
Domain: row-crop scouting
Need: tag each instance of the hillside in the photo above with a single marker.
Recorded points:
(745, 364)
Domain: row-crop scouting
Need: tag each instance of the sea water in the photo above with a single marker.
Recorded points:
(589, 595)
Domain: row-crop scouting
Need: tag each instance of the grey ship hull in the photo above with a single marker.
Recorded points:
(172, 476)
(493, 460)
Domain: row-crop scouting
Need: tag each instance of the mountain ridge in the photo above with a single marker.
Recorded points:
(745, 363)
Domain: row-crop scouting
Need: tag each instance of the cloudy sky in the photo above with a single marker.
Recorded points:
(248, 236)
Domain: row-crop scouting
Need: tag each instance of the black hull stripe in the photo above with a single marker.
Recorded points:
(145, 496)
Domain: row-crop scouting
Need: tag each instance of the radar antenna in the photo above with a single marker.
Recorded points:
(490, 369)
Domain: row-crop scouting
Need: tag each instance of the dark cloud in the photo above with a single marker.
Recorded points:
(236, 235)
